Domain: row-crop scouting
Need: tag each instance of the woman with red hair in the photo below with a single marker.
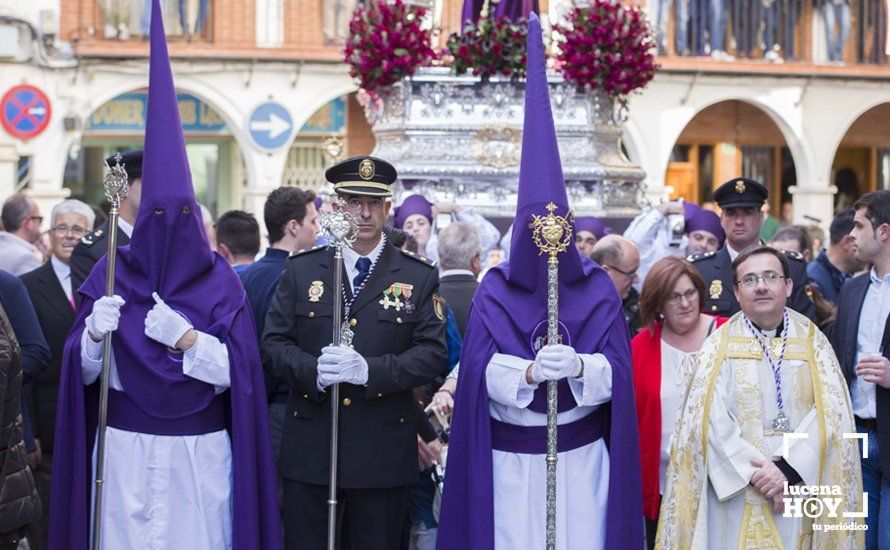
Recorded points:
(664, 358)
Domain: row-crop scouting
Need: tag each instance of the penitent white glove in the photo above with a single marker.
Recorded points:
(164, 325)
(555, 363)
(341, 364)
(105, 316)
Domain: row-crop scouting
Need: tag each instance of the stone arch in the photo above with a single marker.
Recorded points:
(853, 165)
(224, 106)
(785, 114)
(781, 111)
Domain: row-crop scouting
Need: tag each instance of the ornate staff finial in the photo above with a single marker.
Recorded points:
(116, 182)
(552, 233)
(339, 226)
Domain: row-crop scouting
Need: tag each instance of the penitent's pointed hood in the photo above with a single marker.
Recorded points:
(540, 176)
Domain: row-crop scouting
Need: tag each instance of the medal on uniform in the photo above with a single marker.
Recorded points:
(386, 301)
(316, 290)
(406, 292)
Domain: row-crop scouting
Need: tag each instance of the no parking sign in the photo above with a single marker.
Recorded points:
(25, 111)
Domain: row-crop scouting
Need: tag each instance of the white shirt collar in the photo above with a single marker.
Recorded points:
(350, 256)
(125, 227)
(875, 280)
(63, 273)
(457, 272)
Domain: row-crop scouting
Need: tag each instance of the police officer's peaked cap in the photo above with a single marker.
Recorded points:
(740, 193)
(362, 176)
(132, 161)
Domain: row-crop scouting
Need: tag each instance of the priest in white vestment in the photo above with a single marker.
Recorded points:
(766, 415)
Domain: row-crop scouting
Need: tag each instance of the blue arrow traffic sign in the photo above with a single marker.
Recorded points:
(270, 126)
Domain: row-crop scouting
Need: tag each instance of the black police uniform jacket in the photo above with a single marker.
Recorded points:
(404, 349)
(715, 269)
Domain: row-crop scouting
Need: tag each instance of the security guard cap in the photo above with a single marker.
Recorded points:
(132, 161)
(740, 193)
(362, 176)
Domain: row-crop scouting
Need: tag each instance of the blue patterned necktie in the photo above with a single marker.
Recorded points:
(364, 267)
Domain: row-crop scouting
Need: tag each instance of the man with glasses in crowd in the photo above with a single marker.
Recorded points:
(621, 260)
(741, 200)
(21, 223)
(50, 290)
(392, 308)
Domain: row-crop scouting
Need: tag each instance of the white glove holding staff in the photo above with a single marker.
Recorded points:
(105, 316)
(164, 325)
(341, 364)
(555, 362)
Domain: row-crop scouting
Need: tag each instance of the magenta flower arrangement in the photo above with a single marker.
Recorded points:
(487, 48)
(386, 43)
(607, 45)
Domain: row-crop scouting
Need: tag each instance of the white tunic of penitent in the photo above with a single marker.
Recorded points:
(520, 485)
(167, 492)
(730, 455)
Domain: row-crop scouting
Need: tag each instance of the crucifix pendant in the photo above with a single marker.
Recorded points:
(346, 334)
(782, 423)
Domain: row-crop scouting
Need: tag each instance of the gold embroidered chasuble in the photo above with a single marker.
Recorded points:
(726, 422)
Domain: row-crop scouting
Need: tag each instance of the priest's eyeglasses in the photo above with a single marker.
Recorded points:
(62, 230)
(770, 278)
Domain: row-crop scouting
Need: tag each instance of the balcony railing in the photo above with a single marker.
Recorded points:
(815, 31)
(131, 19)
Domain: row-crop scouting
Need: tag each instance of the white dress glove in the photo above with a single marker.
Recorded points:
(105, 316)
(555, 362)
(341, 364)
(164, 325)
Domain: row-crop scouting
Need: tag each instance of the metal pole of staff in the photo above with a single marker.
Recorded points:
(552, 235)
(341, 229)
(116, 187)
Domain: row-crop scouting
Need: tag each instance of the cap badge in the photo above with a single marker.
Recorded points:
(740, 187)
(366, 169)
(716, 289)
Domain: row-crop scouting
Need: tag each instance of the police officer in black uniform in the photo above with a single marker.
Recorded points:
(399, 344)
(741, 200)
(94, 245)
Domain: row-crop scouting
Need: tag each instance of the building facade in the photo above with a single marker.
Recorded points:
(793, 114)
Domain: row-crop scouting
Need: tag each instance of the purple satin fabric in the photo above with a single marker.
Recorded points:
(565, 400)
(124, 414)
(532, 440)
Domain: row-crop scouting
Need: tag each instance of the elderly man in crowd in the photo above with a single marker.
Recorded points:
(21, 220)
(49, 288)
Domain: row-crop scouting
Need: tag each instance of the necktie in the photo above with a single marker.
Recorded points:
(364, 267)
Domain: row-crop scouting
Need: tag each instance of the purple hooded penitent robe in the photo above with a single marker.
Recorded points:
(507, 312)
(168, 254)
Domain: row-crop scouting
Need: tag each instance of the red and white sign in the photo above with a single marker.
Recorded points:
(25, 111)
